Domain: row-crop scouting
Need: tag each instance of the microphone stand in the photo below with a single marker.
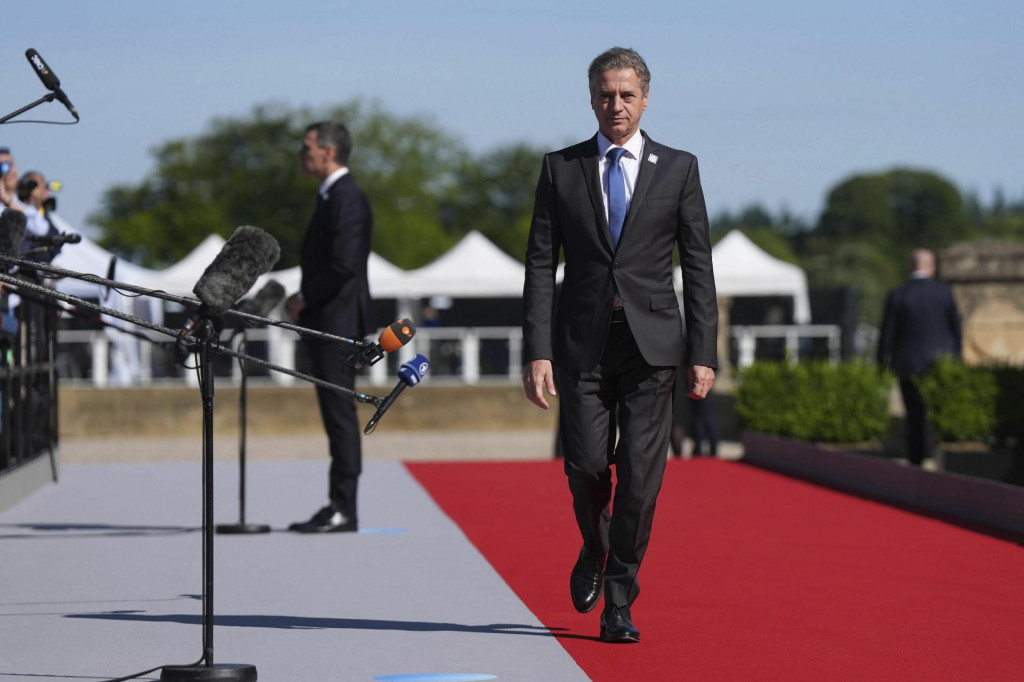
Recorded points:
(242, 528)
(204, 344)
(48, 97)
(236, 672)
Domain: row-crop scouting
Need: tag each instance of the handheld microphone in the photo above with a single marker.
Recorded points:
(262, 302)
(56, 239)
(394, 336)
(409, 374)
(49, 79)
(246, 255)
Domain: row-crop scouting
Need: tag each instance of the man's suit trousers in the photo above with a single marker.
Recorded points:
(338, 412)
(624, 396)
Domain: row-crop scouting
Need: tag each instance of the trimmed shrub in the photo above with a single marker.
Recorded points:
(961, 400)
(815, 401)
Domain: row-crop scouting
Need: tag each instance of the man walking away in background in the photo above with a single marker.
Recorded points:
(921, 323)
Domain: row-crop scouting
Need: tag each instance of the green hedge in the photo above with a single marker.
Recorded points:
(974, 402)
(961, 400)
(849, 403)
(815, 401)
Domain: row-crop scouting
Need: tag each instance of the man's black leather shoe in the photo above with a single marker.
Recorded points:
(587, 581)
(617, 626)
(327, 520)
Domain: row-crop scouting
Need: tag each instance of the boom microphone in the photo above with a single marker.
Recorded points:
(409, 374)
(12, 232)
(49, 79)
(394, 336)
(246, 255)
(56, 239)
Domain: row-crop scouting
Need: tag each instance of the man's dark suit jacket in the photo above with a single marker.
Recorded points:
(334, 255)
(667, 209)
(921, 322)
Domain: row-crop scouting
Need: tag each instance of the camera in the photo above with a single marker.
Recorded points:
(5, 167)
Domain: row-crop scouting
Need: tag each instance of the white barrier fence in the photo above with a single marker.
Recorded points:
(794, 336)
(465, 355)
(458, 354)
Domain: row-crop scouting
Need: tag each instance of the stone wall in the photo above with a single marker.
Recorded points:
(988, 282)
(177, 411)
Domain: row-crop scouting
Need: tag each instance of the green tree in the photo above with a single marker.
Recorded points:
(409, 169)
(1001, 220)
(899, 209)
(244, 171)
(773, 235)
(240, 172)
(496, 196)
(865, 266)
(869, 226)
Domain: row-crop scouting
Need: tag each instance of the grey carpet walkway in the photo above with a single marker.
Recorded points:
(100, 576)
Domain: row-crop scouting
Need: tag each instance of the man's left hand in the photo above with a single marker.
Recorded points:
(699, 379)
(293, 306)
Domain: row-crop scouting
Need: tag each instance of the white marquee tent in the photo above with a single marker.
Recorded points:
(473, 268)
(743, 269)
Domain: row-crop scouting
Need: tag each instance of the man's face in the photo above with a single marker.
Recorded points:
(10, 178)
(40, 193)
(317, 161)
(618, 103)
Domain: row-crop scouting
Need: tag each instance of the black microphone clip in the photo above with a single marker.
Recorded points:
(369, 355)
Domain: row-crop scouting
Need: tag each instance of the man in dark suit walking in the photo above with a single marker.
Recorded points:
(616, 205)
(334, 297)
(921, 323)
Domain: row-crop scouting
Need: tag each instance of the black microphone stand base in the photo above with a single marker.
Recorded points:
(242, 528)
(235, 672)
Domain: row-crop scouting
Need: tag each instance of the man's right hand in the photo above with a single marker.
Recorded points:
(538, 375)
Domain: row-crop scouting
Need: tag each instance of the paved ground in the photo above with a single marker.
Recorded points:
(100, 574)
(382, 445)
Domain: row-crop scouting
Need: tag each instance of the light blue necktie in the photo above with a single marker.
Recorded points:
(616, 194)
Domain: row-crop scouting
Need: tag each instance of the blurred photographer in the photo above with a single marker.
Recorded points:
(34, 194)
(8, 181)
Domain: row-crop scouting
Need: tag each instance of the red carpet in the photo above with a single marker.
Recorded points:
(754, 576)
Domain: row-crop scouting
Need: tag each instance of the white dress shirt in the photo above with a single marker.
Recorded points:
(330, 180)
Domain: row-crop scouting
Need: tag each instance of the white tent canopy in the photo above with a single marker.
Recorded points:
(181, 277)
(90, 258)
(473, 268)
(743, 269)
(387, 280)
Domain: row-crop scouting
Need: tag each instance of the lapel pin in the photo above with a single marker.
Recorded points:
(653, 158)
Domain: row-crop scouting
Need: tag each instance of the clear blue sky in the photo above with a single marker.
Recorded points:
(779, 100)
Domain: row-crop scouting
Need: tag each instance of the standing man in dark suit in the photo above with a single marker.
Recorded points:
(334, 297)
(616, 205)
(921, 322)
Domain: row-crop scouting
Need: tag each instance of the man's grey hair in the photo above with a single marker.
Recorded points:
(619, 58)
(333, 134)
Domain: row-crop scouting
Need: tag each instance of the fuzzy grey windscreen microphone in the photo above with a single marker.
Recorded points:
(246, 255)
